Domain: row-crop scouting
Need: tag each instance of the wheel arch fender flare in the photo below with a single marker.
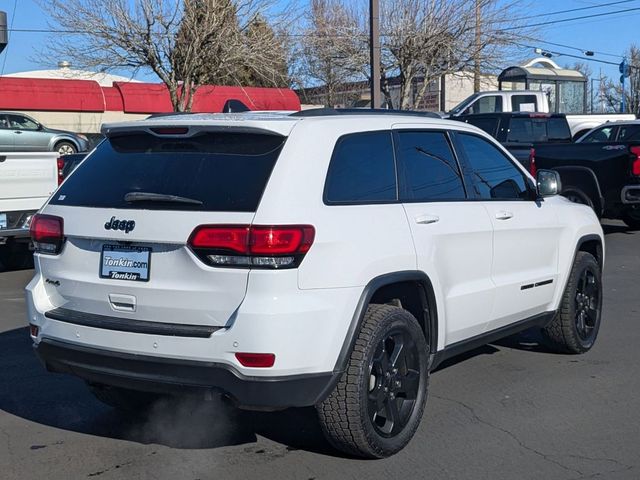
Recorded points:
(63, 138)
(429, 306)
(578, 176)
(591, 239)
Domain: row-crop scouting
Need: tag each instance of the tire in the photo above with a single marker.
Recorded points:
(632, 219)
(65, 148)
(576, 196)
(123, 400)
(14, 256)
(575, 327)
(355, 418)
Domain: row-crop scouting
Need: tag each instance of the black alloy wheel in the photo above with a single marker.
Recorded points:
(394, 379)
(575, 326)
(587, 303)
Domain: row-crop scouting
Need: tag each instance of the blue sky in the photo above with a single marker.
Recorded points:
(609, 34)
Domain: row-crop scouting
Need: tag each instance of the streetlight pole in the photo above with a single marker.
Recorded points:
(374, 51)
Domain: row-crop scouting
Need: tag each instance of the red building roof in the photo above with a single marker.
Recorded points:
(130, 97)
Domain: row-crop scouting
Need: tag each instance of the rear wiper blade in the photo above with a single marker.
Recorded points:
(159, 197)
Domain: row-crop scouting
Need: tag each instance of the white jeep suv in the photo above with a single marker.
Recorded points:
(322, 258)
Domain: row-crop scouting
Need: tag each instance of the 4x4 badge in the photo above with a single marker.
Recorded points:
(124, 225)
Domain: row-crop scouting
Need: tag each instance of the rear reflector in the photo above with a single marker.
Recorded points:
(635, 165)
(256, 360)
(47, 233)
(252, 245)
(60, 170)
(33, 330)
(533, 169)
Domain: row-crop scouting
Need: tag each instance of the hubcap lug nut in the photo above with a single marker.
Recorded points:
(386, 389)
(392, 396)
(398, 383)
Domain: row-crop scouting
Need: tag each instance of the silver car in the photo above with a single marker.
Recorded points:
(20, 133)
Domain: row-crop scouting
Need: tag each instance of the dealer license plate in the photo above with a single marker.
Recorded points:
(124, 262)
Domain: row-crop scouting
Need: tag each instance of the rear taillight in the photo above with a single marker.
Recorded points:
(635, 163)
(47, 233)
(60, 170)
(533, 169)
(255, 246)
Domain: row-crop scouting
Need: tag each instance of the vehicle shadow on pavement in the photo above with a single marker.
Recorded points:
(28, 391)
(609, 229)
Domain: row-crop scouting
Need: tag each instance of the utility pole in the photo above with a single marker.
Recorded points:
(477, 48)
(374, 51)
(4, 34)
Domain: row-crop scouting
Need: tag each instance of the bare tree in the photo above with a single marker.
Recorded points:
(426, 39)
(186, 43)
(333, 47)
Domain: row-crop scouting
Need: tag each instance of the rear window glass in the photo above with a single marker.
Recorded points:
(362, 169)
(528, 130)
(221, 171)
(489, 125)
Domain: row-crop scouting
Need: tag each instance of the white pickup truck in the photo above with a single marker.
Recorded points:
(530, 101)
(26, 182)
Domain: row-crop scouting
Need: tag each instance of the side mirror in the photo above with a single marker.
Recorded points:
(548, 183)
(39, 127)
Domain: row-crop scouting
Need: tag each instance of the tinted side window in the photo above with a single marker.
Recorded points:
(495, 176)
(22, 123)
(605, 134)
(629, 132)
(558, 129)
(524, 103)
(489, 125)
(362, 169)
(428, 169)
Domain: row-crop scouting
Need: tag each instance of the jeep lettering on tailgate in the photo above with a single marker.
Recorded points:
(124, 225)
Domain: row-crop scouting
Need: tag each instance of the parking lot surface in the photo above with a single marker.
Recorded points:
(505, 411)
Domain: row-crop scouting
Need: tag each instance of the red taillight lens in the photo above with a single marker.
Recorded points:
(60, 170)
(533, 169)
(252, 246)
(281, 240)
(221, 237)
(47, 233)
(635, 165)
(256, 360)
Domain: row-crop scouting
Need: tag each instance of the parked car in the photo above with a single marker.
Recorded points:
(26, 181)
(601, 170)
(613, 132)
(323, 259)
(505, 101)
(519, 131)
(21, 133)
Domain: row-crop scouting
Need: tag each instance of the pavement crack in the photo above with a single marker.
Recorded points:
(477, 418)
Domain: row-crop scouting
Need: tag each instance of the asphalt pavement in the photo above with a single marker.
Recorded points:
(511, 410)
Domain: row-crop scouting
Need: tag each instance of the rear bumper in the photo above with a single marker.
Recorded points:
(630, 195)
(163, 375)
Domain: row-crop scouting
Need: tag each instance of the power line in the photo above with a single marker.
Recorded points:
(526, 37)
(552, 22)
(560, 12)
(561, 54)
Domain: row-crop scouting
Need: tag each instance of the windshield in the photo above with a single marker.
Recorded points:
(464, 104)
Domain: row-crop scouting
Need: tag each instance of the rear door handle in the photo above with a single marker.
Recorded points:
(504, 215)
(427, 219)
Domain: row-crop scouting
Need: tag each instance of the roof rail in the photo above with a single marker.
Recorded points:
(328, 112)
